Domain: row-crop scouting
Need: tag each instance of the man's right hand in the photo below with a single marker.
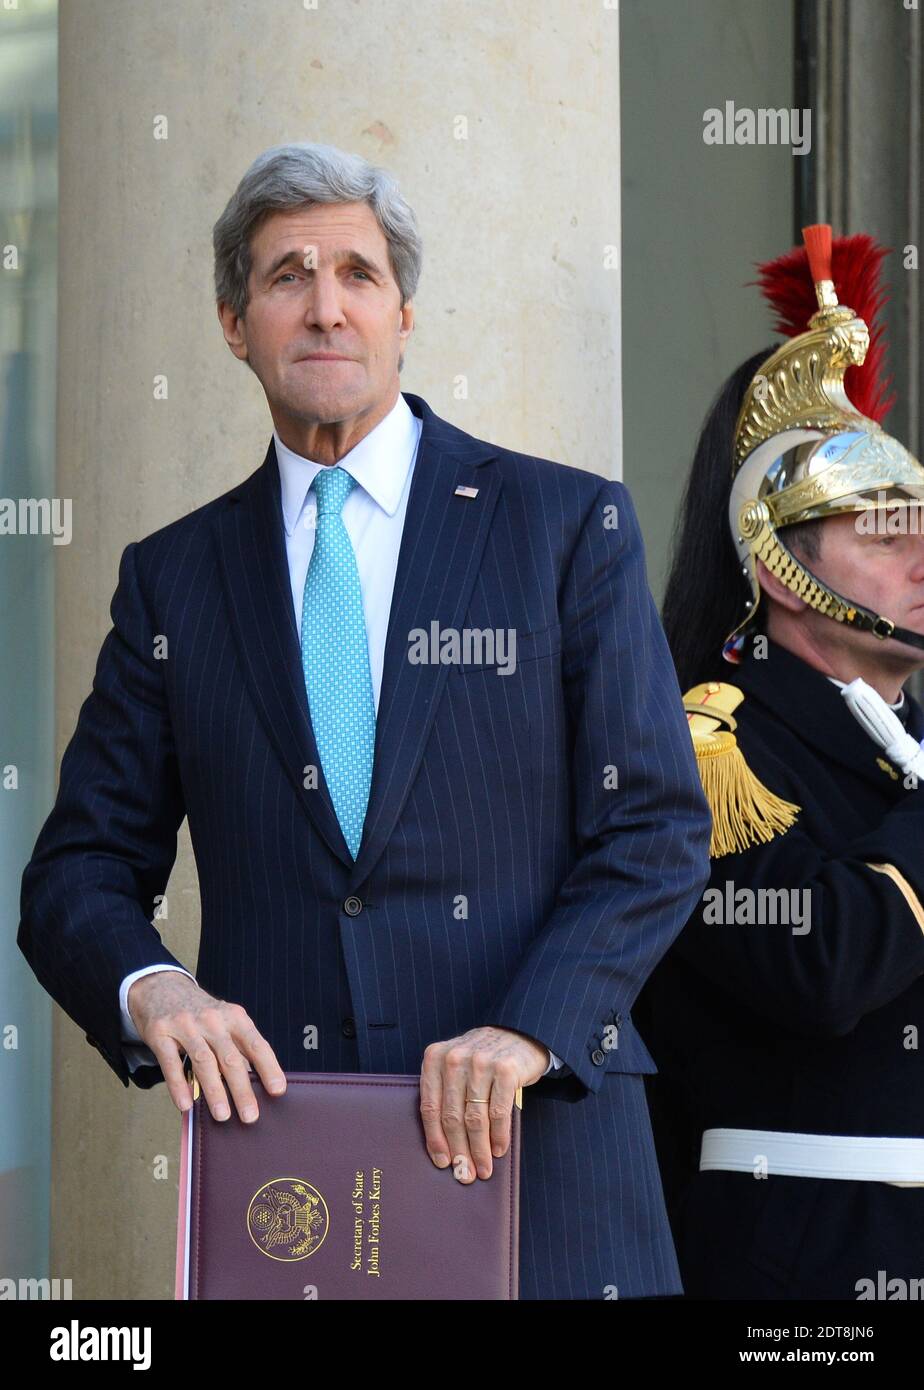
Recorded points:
(172, 1013)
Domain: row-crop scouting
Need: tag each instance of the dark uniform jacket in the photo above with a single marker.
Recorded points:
(762, 1027)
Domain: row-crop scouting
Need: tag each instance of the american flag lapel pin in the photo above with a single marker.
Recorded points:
(466, 491)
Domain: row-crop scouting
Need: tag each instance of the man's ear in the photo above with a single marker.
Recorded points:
(775, 589)
(231, 327)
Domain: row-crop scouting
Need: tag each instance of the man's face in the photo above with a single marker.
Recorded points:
(344, 303)
(883, 572)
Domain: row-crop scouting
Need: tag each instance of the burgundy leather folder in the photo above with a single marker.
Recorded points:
(331, 1194)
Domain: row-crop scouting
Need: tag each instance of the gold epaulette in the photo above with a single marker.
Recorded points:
(744, 811)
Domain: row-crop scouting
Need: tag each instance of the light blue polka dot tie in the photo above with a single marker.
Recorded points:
(335, 659)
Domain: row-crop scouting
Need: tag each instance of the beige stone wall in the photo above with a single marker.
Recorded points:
(516, 303)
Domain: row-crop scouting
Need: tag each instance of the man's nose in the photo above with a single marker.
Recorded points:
(325, 309)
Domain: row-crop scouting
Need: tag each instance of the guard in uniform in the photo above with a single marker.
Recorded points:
(787, 1019)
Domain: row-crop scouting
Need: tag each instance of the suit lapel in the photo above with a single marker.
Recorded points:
(441, 549)
(442, 544)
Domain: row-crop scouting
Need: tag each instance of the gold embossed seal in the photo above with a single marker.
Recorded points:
(287, 1219)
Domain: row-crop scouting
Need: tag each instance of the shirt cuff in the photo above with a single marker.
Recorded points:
(554, 1063)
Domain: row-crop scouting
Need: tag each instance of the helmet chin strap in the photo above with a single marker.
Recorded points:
(881, 627)
(852, 614)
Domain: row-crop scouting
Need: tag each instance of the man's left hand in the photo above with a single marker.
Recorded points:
(467, 1089)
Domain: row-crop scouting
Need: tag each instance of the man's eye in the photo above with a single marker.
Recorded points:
(288, 274)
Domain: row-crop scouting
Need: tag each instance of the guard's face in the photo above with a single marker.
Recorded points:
(321, 283)
(881, 567)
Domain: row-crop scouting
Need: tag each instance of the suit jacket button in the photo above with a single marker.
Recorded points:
(352, 906)
(598, 1057)
(348, 1028)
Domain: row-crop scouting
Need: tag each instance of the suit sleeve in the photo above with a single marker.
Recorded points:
(641, 824)
(107, 848)
(859, 940)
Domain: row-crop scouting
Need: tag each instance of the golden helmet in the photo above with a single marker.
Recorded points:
(802, 449)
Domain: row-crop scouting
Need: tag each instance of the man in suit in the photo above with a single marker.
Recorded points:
(411, 692)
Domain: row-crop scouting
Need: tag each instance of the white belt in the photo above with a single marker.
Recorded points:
(899, 1162)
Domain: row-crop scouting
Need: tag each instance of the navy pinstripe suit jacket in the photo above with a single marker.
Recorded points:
(533, 842)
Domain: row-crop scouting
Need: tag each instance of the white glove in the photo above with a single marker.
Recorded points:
(884, 727)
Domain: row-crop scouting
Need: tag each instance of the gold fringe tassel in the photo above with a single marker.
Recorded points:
(744, 811)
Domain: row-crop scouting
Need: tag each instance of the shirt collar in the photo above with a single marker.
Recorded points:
(379, 462)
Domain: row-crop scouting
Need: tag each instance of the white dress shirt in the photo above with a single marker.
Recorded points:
(383, 465)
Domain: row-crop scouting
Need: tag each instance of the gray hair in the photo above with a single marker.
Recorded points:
(297, 175)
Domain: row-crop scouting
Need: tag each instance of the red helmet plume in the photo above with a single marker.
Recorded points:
(854, 263)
